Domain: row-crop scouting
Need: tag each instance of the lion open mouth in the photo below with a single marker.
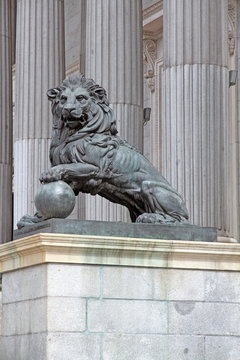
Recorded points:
(75, 122)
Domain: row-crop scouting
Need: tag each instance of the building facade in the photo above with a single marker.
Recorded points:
(170, 71)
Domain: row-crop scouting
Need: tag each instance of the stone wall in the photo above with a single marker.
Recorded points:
(71, 311)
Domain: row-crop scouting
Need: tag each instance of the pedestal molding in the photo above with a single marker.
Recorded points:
(105, 250)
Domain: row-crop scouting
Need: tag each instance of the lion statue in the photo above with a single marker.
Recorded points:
(87, 153)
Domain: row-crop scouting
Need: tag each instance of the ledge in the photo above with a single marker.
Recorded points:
(123, 229)
(105, 250)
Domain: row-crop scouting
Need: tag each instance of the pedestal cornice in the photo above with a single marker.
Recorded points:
(105, 250)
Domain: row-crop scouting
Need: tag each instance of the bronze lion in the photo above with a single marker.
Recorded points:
(87, 153)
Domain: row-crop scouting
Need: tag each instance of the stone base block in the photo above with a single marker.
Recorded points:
(84, 304)
(132, 230)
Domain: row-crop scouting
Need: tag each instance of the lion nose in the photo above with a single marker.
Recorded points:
(69, 109)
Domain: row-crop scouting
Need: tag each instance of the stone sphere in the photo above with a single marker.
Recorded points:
(55, 200)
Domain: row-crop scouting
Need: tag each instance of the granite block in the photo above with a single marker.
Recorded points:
(66, 314)
(202, 318)
(127, 316)
(73, 280)
(127, 283)
(71, 346)
(178, 285)
(24, 317)
(24, 347)
(152, 347)
(29, 283)
(222, 348)
(222, 286)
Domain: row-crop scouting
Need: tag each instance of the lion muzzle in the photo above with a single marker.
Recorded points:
(74, 118)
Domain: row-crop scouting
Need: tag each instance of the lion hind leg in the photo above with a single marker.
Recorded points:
(162, 205)
(150, 202)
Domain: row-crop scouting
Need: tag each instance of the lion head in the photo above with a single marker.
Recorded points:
(79, 103)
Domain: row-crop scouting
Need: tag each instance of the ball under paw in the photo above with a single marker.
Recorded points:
(55, 200)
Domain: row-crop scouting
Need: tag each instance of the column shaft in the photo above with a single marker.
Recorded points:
(79, 211)
(114, 60)
(195, 121)
(5, 123)
(39, 66)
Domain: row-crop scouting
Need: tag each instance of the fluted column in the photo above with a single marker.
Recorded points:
(79, 211)
(114, 60)
(5, 123)
(39, 66)
(195, 119)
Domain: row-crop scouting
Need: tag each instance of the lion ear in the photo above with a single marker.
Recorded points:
(52, 94)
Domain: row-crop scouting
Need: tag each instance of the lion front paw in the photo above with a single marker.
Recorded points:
(27, 220)
(54, 174)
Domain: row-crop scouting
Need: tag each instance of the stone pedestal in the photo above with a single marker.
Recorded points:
(70, 297)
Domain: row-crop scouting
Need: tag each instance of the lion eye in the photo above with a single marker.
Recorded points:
(80, 97)
(63, 97)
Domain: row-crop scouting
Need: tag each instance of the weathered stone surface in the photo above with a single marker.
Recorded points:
(189, 317)
(222, 286)
(24, 317)
(52, 313)
(30, 283)
(128, 283)
(70, 346)
(178, 285)
(185, 348)
(147, 314)
(222, 348)
(66, 314)
(129, 347)
(24, 347)
(79, 281)
(153, 347)
(127, 316)
(150, 231)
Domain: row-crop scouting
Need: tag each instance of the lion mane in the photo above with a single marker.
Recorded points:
(98, 120)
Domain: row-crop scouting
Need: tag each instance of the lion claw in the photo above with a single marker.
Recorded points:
(51, 175)
(155, 218)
